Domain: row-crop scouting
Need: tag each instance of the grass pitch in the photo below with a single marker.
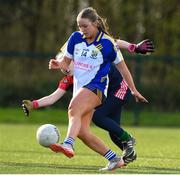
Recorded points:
(158, 152)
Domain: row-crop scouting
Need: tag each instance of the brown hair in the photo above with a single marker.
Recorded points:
(92, 15)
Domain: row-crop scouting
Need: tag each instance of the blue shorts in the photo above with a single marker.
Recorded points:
(96, 91)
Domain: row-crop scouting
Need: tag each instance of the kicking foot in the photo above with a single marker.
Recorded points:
(66, 149)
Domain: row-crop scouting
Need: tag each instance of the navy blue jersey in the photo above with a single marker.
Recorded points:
(108, 115)
(115, 79)
(117, 86)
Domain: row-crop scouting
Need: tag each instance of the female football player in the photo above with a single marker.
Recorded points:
(117, 96)
(92, 51)
(86, 90)
(115, 84)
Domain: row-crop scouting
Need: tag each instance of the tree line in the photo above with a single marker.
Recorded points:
(42, 26)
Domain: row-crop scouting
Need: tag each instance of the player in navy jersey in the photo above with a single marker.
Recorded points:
(93, 87)
(108, 115)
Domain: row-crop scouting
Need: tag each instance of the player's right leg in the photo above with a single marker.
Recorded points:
(66, 149)
(84, 102)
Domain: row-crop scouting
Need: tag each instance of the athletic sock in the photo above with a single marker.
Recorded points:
(110, 155)
(125, 136)
(69, 140)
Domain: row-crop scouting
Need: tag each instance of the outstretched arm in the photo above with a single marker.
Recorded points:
(144, 47)
(51, 99)
(64, 85)
(28, 105)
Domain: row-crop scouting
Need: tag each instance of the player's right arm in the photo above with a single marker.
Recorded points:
(67, 57)
(62, 64)
(124, 71)
(65, 84)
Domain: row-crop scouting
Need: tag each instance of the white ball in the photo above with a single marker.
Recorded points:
(47, 134)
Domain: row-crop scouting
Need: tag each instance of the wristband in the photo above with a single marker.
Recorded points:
(131, 48)
(35, 104)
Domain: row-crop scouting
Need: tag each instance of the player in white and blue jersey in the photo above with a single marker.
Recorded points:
(94, 64)
(108, 115)
(91, 61)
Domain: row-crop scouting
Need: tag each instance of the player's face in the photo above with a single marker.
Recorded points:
(88, 28)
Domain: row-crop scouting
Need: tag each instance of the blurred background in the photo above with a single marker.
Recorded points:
(33, 31)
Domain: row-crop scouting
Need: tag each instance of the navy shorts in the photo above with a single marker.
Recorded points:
(96, 91)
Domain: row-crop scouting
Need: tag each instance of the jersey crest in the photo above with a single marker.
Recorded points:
(94, 54)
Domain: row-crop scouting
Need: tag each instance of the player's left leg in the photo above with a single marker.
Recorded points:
(108, 117)
(96, 144)
(126, 142)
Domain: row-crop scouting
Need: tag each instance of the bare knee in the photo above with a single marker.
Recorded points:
(73, 111)
(76, 111)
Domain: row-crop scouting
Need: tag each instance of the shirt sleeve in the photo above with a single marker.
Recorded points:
(62, 51)
(114, 53)
(70, 46)
(119, 57)
(66, 83)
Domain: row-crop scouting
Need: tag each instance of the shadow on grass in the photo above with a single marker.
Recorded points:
(159, 157)
(93, 169)
(45, 152)
(150, 169)
(51, 166)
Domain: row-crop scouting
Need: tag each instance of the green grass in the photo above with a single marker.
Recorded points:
(158, 152)
(157, 147)
(51, 115)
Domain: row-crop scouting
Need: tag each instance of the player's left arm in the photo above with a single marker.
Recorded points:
(144, 47)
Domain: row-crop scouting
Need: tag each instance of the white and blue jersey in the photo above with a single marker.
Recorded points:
(92, 61)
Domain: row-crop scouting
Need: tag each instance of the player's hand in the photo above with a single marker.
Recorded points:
(54, 64)
(27, 106)
(145, 47)
(66, 72)
(138, 97)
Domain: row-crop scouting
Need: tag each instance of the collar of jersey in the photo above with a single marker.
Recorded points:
(97, 38)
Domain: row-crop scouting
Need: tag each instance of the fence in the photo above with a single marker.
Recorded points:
(25, 75)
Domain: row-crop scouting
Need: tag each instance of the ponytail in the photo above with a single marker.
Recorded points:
(102, 24)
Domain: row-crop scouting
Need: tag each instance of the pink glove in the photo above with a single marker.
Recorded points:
(144, 47)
